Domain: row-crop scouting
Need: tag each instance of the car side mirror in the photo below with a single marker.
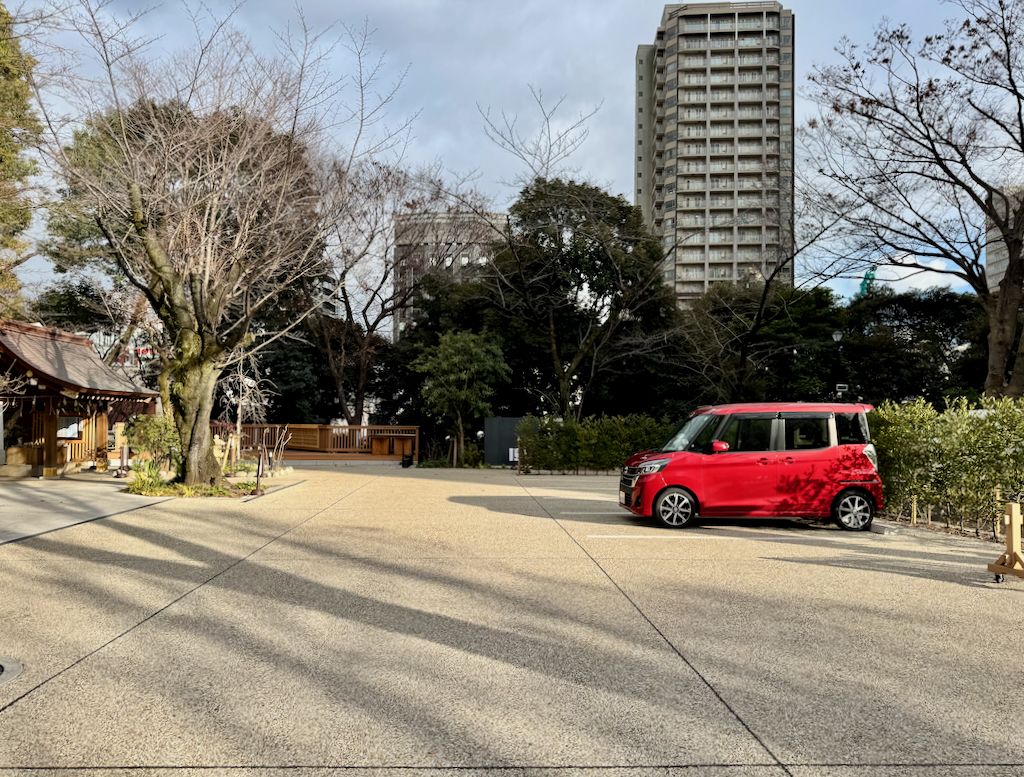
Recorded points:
(719, 446)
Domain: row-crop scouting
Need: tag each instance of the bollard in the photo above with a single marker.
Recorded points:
(1011, 562)
(122, 471)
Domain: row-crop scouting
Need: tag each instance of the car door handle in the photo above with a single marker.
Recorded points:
(789, 460)
(763, 461)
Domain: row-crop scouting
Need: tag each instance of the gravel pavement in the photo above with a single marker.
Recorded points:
(381, 621)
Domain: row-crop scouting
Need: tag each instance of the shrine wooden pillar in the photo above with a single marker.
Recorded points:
(101, 431)
(49, 434)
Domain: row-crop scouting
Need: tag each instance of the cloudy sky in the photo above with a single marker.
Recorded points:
(462, 54)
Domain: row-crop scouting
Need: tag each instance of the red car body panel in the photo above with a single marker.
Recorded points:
(794, 483)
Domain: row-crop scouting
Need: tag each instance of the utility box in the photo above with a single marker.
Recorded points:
(500, 442)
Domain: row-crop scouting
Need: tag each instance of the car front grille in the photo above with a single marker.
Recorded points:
(629, 477)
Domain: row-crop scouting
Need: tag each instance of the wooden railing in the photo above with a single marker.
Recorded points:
(370, 440)
(82, 449)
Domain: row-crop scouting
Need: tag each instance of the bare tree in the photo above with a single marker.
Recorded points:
(544, 151)
(406, 224)
(919, 147)
(212, 178)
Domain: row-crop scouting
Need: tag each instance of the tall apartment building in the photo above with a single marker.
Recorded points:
(714, 141)
(997, 257)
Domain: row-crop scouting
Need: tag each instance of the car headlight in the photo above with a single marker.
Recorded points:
(652, 466)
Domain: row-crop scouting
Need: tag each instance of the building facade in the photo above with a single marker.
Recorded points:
(714, 142)
(997, 256)
(453, 245)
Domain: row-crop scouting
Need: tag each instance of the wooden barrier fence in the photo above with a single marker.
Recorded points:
(364, 440)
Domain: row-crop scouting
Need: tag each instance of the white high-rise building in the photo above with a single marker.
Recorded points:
(714, 142)
(997, 257)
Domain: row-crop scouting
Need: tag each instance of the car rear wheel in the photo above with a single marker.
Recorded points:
(675, 507)
(853, 510)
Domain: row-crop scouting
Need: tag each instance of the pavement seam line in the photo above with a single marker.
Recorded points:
(500, 768)
(661, 634)
(170, 604)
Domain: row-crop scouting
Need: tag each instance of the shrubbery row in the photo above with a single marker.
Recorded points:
(604, 443)
(963, 462)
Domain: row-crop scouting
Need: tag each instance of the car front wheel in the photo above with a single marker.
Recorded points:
(675, 507)
(853, 510)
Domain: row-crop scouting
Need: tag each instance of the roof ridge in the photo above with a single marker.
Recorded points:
(38, 330)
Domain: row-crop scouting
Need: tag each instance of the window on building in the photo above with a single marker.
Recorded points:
(640, 78)
(639, 191)
(69, 427)
(787, 58)
(787, 22)
(787, 76)
(639, 175)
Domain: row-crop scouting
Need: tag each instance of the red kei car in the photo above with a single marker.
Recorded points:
(793, 459)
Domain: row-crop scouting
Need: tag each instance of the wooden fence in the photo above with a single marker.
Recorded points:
(371, 441)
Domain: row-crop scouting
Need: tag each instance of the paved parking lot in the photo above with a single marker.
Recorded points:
(382, 620)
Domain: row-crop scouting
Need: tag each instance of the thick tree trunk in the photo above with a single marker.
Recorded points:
(1002, 311)
(193, 404)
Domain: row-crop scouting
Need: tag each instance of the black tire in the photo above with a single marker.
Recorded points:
(675, 508)
(853, 510)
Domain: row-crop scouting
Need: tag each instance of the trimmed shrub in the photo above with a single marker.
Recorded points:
(964, 461)
(604, 443)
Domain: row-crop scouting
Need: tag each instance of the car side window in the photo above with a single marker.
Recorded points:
(852, 428)
(806, 433)
(748, 433)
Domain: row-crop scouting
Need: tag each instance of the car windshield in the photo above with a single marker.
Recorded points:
(687, 433)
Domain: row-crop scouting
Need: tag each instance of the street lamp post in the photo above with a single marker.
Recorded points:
(837, 338)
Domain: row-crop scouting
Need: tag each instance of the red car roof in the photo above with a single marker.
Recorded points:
(786, 407)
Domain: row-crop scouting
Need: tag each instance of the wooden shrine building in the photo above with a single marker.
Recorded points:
(57, 397)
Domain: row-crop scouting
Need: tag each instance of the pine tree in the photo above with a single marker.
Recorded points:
(19, 128)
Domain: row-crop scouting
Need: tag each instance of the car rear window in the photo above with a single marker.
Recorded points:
(852, 428)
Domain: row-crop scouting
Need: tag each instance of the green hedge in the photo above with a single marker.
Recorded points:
(963, 462)
(593, 443)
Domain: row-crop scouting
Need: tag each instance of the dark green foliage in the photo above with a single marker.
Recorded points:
(893, 346)
(927, 344)
(19, 128)
(460, 372)
(603, 443)
(302, 384)
(74, 306)
(577, 283)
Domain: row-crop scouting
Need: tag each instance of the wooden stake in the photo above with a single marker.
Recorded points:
(1011, 562)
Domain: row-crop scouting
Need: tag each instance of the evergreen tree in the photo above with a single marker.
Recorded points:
(19, 129)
